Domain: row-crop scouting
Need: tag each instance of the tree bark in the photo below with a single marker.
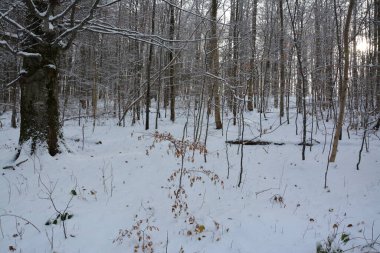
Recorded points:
(377, 46)
(215, 63)
(14, 104)
(343, 88)
(39, 101)
(39, 89)
(252, 80)
(171, 68)
(282, 60)
(148, 69)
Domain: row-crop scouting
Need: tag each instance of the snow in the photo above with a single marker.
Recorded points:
(121, 175)
(51, 66)
(23, 71)
(27, 54)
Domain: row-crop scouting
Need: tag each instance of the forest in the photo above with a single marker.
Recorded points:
(189, 126)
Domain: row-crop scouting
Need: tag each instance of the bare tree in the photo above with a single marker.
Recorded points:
(214, 63)
(344, 86)
(377, 45)
(252, 82)
(148, 69)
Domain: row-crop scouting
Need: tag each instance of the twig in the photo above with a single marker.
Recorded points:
(51, 240)
(13, 215)
(259, 192)
(13, 167)
(49, 192)
(9, 189)
(1, 229)
(19, 163)
(167, 242)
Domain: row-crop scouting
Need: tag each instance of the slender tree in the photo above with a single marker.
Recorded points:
(377, 46)
(214, 62)
(344, 86)
(171, 58)
(282, 58)
(252, 81)
(148, 69)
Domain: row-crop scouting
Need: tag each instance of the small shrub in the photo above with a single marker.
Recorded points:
(334, 242)
(139, 234)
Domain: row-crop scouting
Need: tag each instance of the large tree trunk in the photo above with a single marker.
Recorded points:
(39, 101)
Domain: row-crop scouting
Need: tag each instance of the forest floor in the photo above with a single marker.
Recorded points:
(116, 191)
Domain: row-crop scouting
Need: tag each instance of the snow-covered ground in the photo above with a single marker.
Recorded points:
(117, 188)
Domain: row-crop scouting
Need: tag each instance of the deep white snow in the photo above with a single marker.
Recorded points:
(121, 175)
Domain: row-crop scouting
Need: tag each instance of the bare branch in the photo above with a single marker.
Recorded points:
(65, 11)
(194, 14)
(9, 35)
(27, 54)
(12, 82)
(9, 48)
(2, 15)
(22, 28)
(74, 29)
(12, 215)
(33, 8)
(109, 4)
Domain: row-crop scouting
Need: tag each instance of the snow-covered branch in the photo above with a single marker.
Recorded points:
(33, 8)
(64, 12)
(9, 48)
(27, 54)
(22, 28)
(100, 25)
(9, 35)
(74, 29)
(2, 15)
(107, 4)
(195, 14)
(12, 82)
(109, 29)
(5, 44)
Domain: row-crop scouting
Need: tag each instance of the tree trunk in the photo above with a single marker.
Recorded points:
(343, 89)
(377, 46)
(14, 104)
(282, 60)
(39, 101)
(252, 80)
(215, 63)
(171, 68)
(235, 60)
(148, 69)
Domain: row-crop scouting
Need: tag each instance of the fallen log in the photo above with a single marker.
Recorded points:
(251, 142)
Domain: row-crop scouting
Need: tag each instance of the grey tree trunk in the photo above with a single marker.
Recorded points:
(171, 68)
(343, 88)
(39, 101)
(252, 81)
(377, 39)
(214, 65)
(282, 60)
(148, 70)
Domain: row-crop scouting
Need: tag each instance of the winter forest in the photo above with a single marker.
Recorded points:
(199, 126)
